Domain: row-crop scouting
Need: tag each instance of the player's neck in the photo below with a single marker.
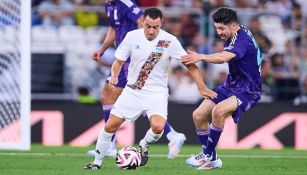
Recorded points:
(236, 29)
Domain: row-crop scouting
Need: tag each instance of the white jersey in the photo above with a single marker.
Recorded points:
(148, 68)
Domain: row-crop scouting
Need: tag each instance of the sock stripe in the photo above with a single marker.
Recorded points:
(215, 128)
(107, 107)
(202, 132)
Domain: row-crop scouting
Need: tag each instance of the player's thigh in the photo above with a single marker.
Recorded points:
(157, 105)
(226, 107)
(204, 110)
(113, 123)
(128, 106)
(157, 123)
(109, 96)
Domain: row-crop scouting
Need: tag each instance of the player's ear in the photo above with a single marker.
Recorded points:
(233, 25)
(140, 22)
(142, 19)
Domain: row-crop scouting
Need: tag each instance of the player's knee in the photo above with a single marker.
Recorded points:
(108, 99)
(197, 116)
(110, 128)
(217, 113)
(157, 129)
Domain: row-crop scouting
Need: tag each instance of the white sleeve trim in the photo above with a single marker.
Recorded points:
(127, 3)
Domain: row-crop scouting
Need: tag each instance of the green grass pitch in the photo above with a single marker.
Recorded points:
(70, 160)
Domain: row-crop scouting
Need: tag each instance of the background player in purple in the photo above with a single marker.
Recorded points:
(124, 16)
(240, 91)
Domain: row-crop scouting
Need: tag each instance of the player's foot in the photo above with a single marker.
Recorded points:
(196, 160)
(91, 166)
(175, 145)
(211, 165)
(144, 155)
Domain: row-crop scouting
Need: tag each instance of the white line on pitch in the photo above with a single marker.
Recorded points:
(158, 155)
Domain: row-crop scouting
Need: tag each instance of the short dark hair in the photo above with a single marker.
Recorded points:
(225, 16)
(153, 13)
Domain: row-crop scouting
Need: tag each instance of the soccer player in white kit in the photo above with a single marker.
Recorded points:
(150, 50)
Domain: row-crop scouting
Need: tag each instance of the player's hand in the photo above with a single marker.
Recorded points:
(96, 55)
(208, 93)
(191, 58)
(113, 82)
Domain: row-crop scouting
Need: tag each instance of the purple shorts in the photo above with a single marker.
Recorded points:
(245, 101)
(122, 77)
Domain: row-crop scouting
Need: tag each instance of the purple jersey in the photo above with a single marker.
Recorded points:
(123, 15)
(244, 69)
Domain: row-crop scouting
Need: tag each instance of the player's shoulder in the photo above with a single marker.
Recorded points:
(126, 3)
(245, 33)
(167, 35)
(136, 32)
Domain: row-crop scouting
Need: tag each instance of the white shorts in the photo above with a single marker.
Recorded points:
(132, 103)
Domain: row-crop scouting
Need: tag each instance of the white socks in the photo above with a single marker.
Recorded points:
(102, 146)
(150, 137)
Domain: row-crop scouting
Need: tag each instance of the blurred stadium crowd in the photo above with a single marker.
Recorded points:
(77, 27)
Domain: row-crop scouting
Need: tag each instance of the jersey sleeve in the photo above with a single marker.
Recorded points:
(176, 49)
(123, 51)
(237, 47)
(129, 9)
(107, 6)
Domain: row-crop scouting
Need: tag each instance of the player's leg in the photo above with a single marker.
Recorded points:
(219, 113)
(104, 140)
(109, 97)
(201, 120)
(156, 110)
(175, 139)
(107, 100)
(155, 132)
(126, 107)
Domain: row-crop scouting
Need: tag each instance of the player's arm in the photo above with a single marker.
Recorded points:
(217, 58)
(196, 75)
(177, 52)
(108, 41)
(115, 70)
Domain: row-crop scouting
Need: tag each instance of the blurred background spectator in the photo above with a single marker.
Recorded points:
(182, 87)
(84, 96)
(262, 40)
(85, 18)
(56, 12)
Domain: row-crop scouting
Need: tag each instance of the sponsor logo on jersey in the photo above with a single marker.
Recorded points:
(136, 10)
(159, 50)
(136, 47)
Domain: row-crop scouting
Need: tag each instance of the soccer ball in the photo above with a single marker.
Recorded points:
(128, 157)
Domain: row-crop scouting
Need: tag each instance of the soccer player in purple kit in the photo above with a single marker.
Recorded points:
(240, 91)
(125, 16)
